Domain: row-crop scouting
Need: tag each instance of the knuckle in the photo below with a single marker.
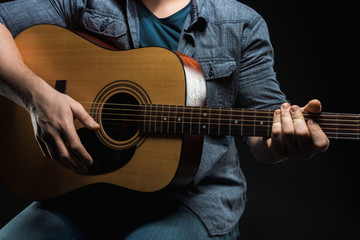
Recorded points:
(76, 147)
(62, 156)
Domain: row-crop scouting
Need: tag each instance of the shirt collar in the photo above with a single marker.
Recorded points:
(198, 15)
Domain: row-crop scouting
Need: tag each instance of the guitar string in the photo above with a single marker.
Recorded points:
(173, 125)
(245, 118)
(215, 121)
(263, 114)
(244, 132)
(233, 113)
(331, 135)
(226, 117)
(251, 111)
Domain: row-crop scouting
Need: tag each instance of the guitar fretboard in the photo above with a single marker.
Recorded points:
(165, 119)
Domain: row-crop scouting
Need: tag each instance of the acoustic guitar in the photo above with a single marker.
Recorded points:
(150, 104)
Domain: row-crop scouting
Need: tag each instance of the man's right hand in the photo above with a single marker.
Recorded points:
(52, 114)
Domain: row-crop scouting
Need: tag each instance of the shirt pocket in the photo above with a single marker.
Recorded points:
(102, 24)
(221, 85)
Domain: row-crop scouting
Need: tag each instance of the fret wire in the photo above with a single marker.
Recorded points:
(150, 118)
(183, 118)
(168, 120)
(163, 121)
(175, 125)
(210, 114)
(269, 126)
(144, 117)
(255, 120)
(230, 119)
(219, 122)
(155, 117)
(200, 119)
(161, 118)
(242, 123)
(191, 115)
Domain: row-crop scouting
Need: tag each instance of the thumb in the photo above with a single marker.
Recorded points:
(314, 106)
(80, 114)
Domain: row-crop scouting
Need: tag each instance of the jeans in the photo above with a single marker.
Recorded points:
(105, 216)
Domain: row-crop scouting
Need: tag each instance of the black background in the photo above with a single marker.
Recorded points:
(316, 56)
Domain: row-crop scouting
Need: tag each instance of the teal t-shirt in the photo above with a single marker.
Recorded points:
(160, 32)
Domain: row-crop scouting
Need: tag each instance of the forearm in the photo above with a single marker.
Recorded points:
(17, 81)
(261, 152)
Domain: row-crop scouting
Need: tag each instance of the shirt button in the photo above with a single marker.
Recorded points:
(211, 73)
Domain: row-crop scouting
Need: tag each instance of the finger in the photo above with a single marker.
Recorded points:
(319, 139)
(75, 146)
(276, 143)
(314, 106)
(83, 116)
(61, 154)
(302, 134)
(288, 129)
(55, 156)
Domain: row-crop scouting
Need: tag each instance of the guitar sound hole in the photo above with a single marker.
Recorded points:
(120, 116)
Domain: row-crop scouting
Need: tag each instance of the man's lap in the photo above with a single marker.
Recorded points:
(89, 216)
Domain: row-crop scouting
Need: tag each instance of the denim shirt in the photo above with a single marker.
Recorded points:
(231, 43)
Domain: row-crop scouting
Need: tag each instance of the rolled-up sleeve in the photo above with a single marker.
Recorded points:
(21, 14)
(258, 87)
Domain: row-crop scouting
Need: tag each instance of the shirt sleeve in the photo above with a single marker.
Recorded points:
(21, 14)
(258, 87)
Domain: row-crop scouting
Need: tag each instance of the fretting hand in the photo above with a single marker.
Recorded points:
(292, 136)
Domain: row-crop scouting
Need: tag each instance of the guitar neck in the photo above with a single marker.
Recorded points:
(167, 119)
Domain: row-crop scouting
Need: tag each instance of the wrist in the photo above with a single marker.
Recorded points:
(37, 93)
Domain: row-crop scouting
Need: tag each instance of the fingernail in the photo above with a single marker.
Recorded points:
(277, 113)
(285, 106)
(95, 125)
(311, 122)
(294, 109)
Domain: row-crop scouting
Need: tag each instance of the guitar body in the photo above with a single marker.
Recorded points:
(99, 78)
